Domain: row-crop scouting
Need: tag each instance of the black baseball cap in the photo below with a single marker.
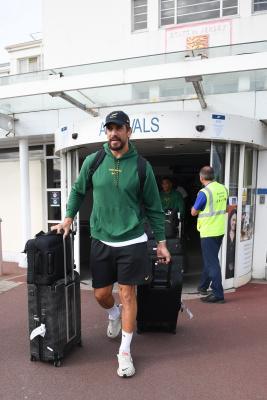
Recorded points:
(117, 117)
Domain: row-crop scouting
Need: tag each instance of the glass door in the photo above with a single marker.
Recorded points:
(246, 213)
(218, 160)
(231, 248)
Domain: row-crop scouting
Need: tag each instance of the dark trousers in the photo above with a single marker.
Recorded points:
(211, 274)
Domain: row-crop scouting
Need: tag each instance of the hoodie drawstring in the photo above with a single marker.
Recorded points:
(116, 173)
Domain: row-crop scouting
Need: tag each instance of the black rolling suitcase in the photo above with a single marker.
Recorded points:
(159, 302)
(55, 312)
(174, 246)
(45, 257)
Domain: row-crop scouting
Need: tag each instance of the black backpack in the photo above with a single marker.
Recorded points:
(99, 157)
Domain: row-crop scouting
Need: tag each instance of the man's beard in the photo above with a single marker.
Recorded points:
(116, 146)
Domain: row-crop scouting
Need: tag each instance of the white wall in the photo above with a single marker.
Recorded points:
(10, 206)
(260, 242)
(82, 32)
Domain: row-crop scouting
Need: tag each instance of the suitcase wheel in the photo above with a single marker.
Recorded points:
(57, 363)
(33, 358)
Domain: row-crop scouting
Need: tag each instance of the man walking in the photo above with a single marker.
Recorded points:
(210, 207)
(118, 249)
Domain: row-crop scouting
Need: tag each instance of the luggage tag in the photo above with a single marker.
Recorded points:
(40, 330)
(187, 310)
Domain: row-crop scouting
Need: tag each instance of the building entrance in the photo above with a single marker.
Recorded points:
(179, 150)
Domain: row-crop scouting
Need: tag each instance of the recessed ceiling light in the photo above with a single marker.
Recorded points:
(168, 147)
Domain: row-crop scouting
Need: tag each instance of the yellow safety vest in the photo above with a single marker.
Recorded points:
(211, 221)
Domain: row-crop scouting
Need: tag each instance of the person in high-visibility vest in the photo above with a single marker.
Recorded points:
(210, 207)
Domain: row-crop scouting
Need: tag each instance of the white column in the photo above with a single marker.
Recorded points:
(24, 196)
(260, 246)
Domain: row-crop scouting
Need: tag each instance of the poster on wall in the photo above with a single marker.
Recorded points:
(198, 35)
(217, 125)
(54, 199)
(231, 239)
(246, 234)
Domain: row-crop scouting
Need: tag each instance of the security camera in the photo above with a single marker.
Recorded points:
(74, 135)
(200, 128)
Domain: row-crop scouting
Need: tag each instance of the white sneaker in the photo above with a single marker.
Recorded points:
(114, 326)
(126, 367)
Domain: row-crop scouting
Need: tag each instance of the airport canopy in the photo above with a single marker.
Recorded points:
(177, 76)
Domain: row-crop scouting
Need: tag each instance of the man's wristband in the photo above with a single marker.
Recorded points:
(161, 241)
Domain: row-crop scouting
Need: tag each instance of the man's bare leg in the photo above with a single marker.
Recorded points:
(129, 310)
(105, 298)
(129, 307)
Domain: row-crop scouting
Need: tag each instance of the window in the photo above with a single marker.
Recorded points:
(30, 64)
(181, 11)
(53, 185)
(260, 5)
(139, 12)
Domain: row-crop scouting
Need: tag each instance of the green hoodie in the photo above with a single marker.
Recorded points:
(117, 214)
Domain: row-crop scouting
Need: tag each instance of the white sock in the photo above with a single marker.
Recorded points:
(114, 312)
(126, 339)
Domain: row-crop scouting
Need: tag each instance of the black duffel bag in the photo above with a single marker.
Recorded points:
(171, 223)
(45, 257)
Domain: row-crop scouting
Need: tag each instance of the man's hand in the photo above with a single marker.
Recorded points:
(194, 212)
(163, 253)
(63, 226)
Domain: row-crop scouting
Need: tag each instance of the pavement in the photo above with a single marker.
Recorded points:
(221, 353)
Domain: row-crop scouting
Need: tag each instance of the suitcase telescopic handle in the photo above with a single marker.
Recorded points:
(70, 289)
(70, 236)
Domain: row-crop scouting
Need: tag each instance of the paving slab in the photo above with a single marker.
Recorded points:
(219, 354)
(7, 285)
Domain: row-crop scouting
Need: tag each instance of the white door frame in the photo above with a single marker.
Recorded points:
(70, 171)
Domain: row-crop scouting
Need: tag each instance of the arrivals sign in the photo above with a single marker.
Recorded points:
(198, 35)
(163, 125)
(139, 125)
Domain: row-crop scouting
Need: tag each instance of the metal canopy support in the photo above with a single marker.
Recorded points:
(7, 123)
(196, 81)
(74, 102)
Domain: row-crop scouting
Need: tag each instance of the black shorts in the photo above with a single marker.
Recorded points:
(127, 265)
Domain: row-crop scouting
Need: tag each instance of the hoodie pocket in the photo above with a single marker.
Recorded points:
(114, 221)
